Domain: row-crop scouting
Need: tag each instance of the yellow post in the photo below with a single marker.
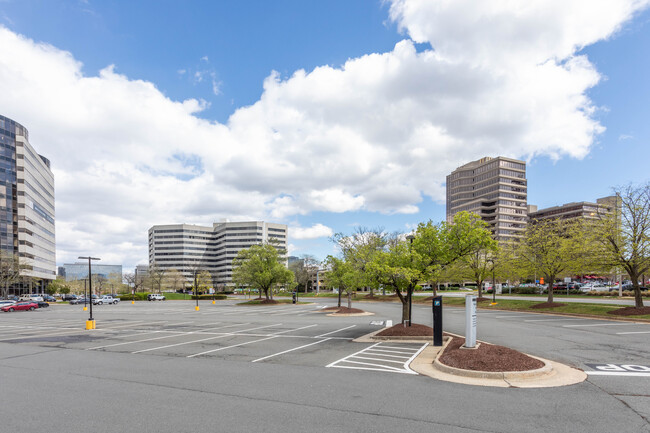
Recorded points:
(85, 308)
(132, 302)
(90, 324)
(214, 302)
(196, 308)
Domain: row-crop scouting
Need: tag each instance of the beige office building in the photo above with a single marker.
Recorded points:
(583, 209)
(187, 247)
(494, 188)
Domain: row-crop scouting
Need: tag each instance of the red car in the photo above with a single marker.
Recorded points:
(20, 306)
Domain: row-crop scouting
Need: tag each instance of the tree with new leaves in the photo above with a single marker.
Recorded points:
(623, 235)
(156, 276)
(342, 276)
(552, 248)
(259, 267)
(174, 279)
(479, 264)
(57, 286)
(359, 250)
(303, 270)
(11, 267)
(434, 247)
(133, 280)
(204, 281)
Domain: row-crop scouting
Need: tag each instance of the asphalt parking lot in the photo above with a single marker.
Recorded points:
(292, 368)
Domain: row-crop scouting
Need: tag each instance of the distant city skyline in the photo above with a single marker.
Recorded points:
(258, 111)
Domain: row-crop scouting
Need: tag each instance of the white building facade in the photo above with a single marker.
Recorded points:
(187, 247)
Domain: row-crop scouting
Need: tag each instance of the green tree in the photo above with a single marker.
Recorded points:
(343, 276)
(434, 247)
(303, 271)
(204, 280)
(57, 286)
(552, 248)
(259, 267)
(480, 262)
(623, 235)
(359, 250)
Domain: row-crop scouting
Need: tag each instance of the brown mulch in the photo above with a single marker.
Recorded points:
(630, 311)
(487, 357)
(268, 302)
(346, 310)
(400, 330)
(483, 299)
(548, 305)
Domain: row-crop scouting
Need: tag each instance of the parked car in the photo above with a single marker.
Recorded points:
(7, 302)
(155, 297)
(31, 306)
(593, 287)
(69, 297)
(33, 298)
(105, 300)
(42, 304)
(48, 298)
(77, 301)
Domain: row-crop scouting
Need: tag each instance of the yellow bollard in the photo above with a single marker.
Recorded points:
(90, 324)
(132, 302)
(214, 302)
(85, 308)
(196, 308)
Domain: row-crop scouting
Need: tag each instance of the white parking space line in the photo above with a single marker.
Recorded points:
(291, 350)
(558, 319)
(183, 343)
(599, 324)
(633, 332)
(509, 316)
(334, 332)
(230, 347)
(152, 339)
(378, 354)
(291, 330)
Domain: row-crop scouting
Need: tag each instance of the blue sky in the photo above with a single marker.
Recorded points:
(425, 88)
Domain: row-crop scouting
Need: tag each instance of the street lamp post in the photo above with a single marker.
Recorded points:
(196, 290)
(90, 323)
(410, 237)
(494, 288)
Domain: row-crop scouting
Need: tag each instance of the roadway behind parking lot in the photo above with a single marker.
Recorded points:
(165, 367)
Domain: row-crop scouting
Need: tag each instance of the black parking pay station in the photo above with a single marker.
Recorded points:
(437, 321)
(294, 297)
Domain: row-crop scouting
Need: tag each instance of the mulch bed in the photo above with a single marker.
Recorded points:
(548, 305)
(630, 311)
(400, 330)
(346, 310)
(487, 357)
(483, 299)
(268, 302)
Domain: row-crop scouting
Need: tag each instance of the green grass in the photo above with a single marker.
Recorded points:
(569, 308)
(279, 301)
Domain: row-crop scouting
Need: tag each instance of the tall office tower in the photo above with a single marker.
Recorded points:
(26, 206)
(187, 248)
(495, 189)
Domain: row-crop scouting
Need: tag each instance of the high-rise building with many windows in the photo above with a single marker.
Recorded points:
(496, 190)
(187, 248)
(26, 205)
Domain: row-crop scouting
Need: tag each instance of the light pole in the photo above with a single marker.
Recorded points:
(494, 288)
(410, 237)
(90, 323)
(196, 290)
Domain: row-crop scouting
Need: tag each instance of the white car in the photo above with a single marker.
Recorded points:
(105, 300)
(592, 287)
(3, 303)
(155, 297)
(33, 298)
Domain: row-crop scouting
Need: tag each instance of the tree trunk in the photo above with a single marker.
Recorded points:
(479, 284)
(339, 297)
(349, 299)
(405, 310)
(551, 279)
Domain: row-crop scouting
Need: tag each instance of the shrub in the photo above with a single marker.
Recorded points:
(525, 290)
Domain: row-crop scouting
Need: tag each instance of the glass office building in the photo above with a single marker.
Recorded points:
(79, 271)
(26, 206)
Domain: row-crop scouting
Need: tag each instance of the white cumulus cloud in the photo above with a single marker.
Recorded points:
(316, 231)
(379, 133)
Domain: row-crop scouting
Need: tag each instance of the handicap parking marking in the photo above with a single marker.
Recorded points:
(618, 370)
(377, 353)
